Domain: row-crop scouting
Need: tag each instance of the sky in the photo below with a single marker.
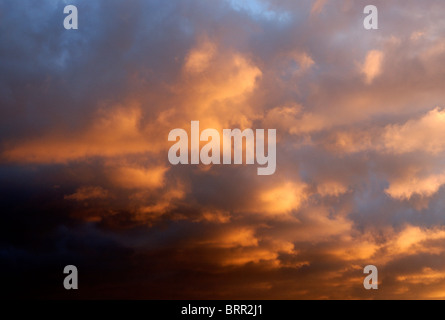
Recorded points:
(85, 178)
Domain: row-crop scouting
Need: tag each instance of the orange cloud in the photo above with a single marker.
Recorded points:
(427, 276)
(331, 188)
(282, 199)
(292, 119)
(199, 58)
(150, 213)
(425, 134)
(216, 216)
(86, 193)
(113, 133)
(137, 177)
(267, 254)
(354, 249)
(413, 240)
(405, 187)
(372, 67)
(233, 237)
(215, 87)
(318, 6)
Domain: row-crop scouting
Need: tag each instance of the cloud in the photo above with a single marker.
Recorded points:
(424, 134)
(137, 178)
(426, 276)
(239, 237)
(282, 199)
(318, 6)
(86, 193)
(112, 134)
(372, 67)
(199, 58)
(331, 188)
(216, 216)
(152, 212)
(292, 119)
(420, 134)
(86, 179)
(415, 239)
(406, 187)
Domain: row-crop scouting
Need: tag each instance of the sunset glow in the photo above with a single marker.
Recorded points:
(360, 149)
